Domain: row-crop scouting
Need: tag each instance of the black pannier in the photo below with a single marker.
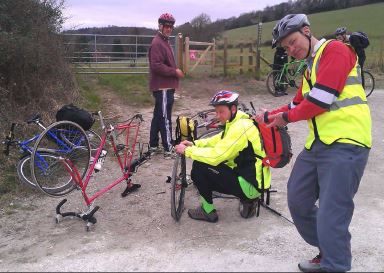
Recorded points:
(75, 114)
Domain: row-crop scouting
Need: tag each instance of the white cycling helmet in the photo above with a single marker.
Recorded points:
(287, 25)
(340, 31)
(224, 97)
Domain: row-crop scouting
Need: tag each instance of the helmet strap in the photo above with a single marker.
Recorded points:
(233, 115)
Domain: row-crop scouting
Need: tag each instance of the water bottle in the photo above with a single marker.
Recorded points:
(100, 161)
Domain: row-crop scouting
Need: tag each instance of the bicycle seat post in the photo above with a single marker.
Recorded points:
(101, 120)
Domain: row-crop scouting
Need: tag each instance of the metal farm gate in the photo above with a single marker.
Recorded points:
(110, 54)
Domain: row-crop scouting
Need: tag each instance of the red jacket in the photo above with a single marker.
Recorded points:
(162, 65)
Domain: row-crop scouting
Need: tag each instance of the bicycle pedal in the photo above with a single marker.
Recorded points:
(129, 189)
(120, 147)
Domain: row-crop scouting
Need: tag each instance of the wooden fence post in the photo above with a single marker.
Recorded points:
(213, 56)
(186, 55)
(225, 56)
(381, 60)
(258, 43)
(250, 58)
(180, 50)
(241, 57)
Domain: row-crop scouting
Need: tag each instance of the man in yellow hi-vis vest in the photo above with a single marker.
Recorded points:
(329, 169)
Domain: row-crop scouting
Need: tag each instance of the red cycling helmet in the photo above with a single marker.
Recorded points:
(167, 19)
(224, 97)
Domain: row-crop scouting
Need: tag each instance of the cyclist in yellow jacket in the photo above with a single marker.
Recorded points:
(327, 173)
(227, 162)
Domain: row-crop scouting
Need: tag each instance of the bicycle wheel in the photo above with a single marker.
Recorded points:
(210, 133)
(369, 83)
(70, 146)
(274, 85)
(94, 141)
(25, 176)
(178, 185)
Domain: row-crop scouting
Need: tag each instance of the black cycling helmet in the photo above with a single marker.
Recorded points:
(287, 25)
(341, 31)
(224, 97)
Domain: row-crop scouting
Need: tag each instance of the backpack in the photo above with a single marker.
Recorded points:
(75, 114)
(276, 142)
(277, 145)
(185, 129)
(364, 41)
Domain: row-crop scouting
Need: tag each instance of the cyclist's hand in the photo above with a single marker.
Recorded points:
(180, 148)
(277, 120)
(186, 143)
(179, 73)
(260, 116)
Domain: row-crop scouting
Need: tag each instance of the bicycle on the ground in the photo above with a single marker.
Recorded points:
(25, 147)
(123, 139)
(289, 75)
(369, 83)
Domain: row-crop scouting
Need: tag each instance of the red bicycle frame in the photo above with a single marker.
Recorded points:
(124, 161)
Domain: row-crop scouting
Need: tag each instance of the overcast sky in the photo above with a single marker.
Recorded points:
(144, 13)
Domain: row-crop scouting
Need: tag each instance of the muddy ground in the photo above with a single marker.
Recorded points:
(137, 233)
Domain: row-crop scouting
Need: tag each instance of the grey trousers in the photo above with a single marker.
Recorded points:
(330, 174)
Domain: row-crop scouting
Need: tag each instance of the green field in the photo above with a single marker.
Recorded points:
(366, 18)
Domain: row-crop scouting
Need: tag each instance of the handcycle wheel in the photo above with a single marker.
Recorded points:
(274, 85)
(70, 151)
(178, 185)
(25, 176)
(369, 83)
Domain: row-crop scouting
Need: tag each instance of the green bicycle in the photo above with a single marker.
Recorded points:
(290, 74)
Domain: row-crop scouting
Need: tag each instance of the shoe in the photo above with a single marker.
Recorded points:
(200, 214)
(312, 265)
(247, 208)
(169, 155)
(155, 150)
(279, 94)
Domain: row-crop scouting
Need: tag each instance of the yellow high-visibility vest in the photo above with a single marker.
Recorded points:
(348, 120)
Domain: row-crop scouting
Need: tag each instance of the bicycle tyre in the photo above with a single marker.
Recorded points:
(94, 141)
(69, 143)
(210, 133)
(25, 177)
(178, 185)
(272, 86)
(369, 83)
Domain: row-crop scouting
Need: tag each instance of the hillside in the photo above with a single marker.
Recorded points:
(366, 18)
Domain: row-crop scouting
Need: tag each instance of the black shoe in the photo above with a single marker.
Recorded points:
(247, 208)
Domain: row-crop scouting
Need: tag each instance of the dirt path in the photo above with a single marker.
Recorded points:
(137, 233)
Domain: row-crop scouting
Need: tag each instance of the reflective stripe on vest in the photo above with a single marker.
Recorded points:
(348, 119)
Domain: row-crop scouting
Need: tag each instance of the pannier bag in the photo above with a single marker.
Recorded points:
(75, 114)
(185, 129)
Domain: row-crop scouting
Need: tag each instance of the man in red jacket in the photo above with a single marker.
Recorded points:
(163, 81)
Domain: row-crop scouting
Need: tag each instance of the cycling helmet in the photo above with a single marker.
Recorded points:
(224, 97)
(340, 31)
(166, 19)
(287, 25)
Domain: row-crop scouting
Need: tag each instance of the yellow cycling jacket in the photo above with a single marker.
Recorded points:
(237, 147)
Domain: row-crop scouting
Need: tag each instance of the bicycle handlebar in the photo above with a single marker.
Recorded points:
(9, 139)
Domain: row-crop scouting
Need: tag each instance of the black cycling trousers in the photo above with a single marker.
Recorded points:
(219, 178)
